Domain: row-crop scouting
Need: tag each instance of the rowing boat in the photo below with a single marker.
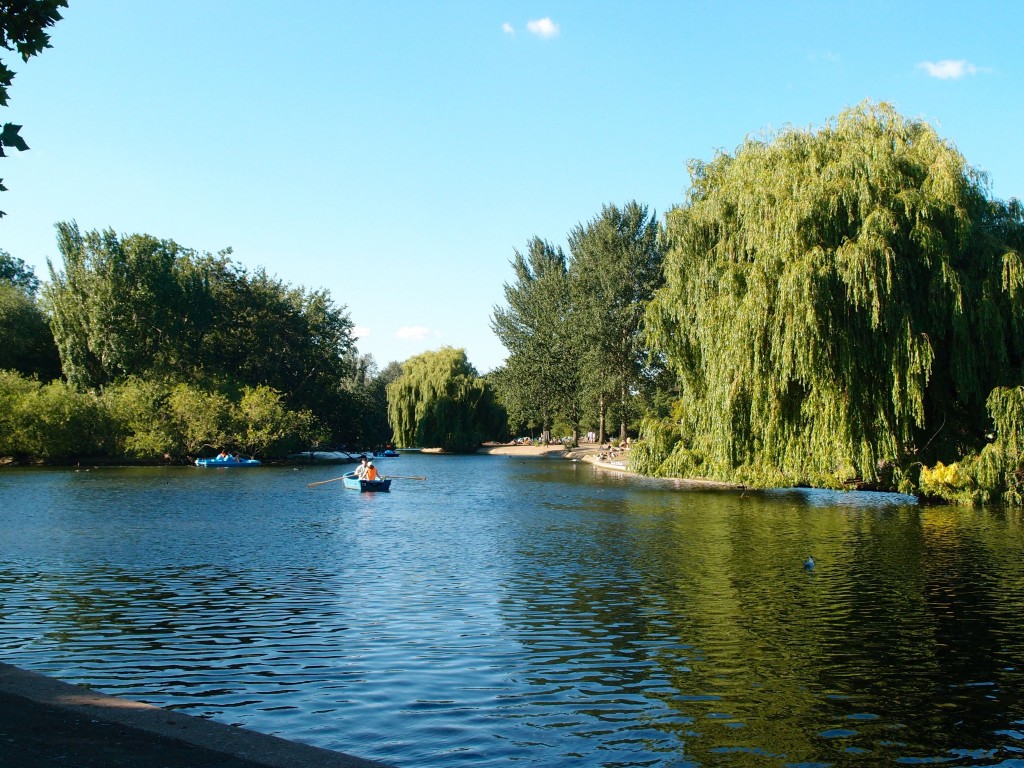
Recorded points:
(355, 484)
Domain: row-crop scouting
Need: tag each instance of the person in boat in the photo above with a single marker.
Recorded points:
(361, 469)
(222, 456)
(371, 472)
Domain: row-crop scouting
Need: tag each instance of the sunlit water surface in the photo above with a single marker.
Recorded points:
(534, 612)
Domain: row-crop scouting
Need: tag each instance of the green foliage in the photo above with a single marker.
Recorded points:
(118, 309)
(439, 401)
(26, 343)
(649, 453)
(139, 408)
(13, 389)
(953, 482)
(134, 305)
(541, 380)
(18, 274)
(199, 418)
(53, 422)
(615, 268)
(263, 423)
(996, 472)
(141, 419)
(838, 302)
(367, 417)
(23, 28)
(573, 329)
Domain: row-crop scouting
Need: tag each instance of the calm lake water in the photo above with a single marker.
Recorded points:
(529, 612)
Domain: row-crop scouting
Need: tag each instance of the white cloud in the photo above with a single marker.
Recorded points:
(414, 332)
(508, 29)
(948, 69)
(543, 27)
(361, 332)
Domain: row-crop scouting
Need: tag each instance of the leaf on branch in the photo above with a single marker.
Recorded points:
(10, 138)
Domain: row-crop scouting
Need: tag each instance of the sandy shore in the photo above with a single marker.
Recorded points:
(535, 451)
(591, 454)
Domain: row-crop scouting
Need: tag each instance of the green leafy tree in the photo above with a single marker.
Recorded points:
(367, 391)
(54, 421)
(135, 305)
(118, 308)
(541, 379)
(26, 342)
(262, 423)
(140, 409)
(440, 401)
(838, 302)
(200, 419)
(18, 274)
(266, 332)
(616, 266)
(23, 28)
(13, 389)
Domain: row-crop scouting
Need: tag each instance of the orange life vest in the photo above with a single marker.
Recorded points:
(371, 473)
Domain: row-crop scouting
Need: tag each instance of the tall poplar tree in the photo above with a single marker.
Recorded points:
(837, 302)
(541, 378)
(616, 263)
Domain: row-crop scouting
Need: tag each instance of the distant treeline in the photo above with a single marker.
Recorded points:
(138, 348)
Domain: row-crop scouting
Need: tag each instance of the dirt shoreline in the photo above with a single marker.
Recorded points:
(592, 454)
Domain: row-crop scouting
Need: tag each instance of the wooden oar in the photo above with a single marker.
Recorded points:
(408, 477)
(332, 480)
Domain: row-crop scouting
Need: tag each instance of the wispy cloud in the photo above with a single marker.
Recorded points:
(361, 331)
(414, 332)
(543, 27)
(508, 29)
(949, 69)
(830, 56)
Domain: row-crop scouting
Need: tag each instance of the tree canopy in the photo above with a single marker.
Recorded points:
(615, 268)
(542, 376)
(837, 302)
(439, 401)
(26, 343)
(136, 305)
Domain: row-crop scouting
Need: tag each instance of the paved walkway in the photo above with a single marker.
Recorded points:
(45, 722)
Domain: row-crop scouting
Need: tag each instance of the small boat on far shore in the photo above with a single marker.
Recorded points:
(228, 461)
(324, 457)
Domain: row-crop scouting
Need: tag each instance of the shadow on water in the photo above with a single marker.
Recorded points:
(533, 611)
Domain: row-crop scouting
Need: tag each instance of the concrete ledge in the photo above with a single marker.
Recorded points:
(83, 709)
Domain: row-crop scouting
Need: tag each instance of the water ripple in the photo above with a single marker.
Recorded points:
(546, 616)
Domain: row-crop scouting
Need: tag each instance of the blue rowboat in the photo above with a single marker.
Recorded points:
(230, 461)
(353, 483)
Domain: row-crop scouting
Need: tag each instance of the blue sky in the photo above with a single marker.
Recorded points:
(396, 153)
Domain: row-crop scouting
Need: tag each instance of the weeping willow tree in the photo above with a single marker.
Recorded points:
(837, 304)
(439, 401)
